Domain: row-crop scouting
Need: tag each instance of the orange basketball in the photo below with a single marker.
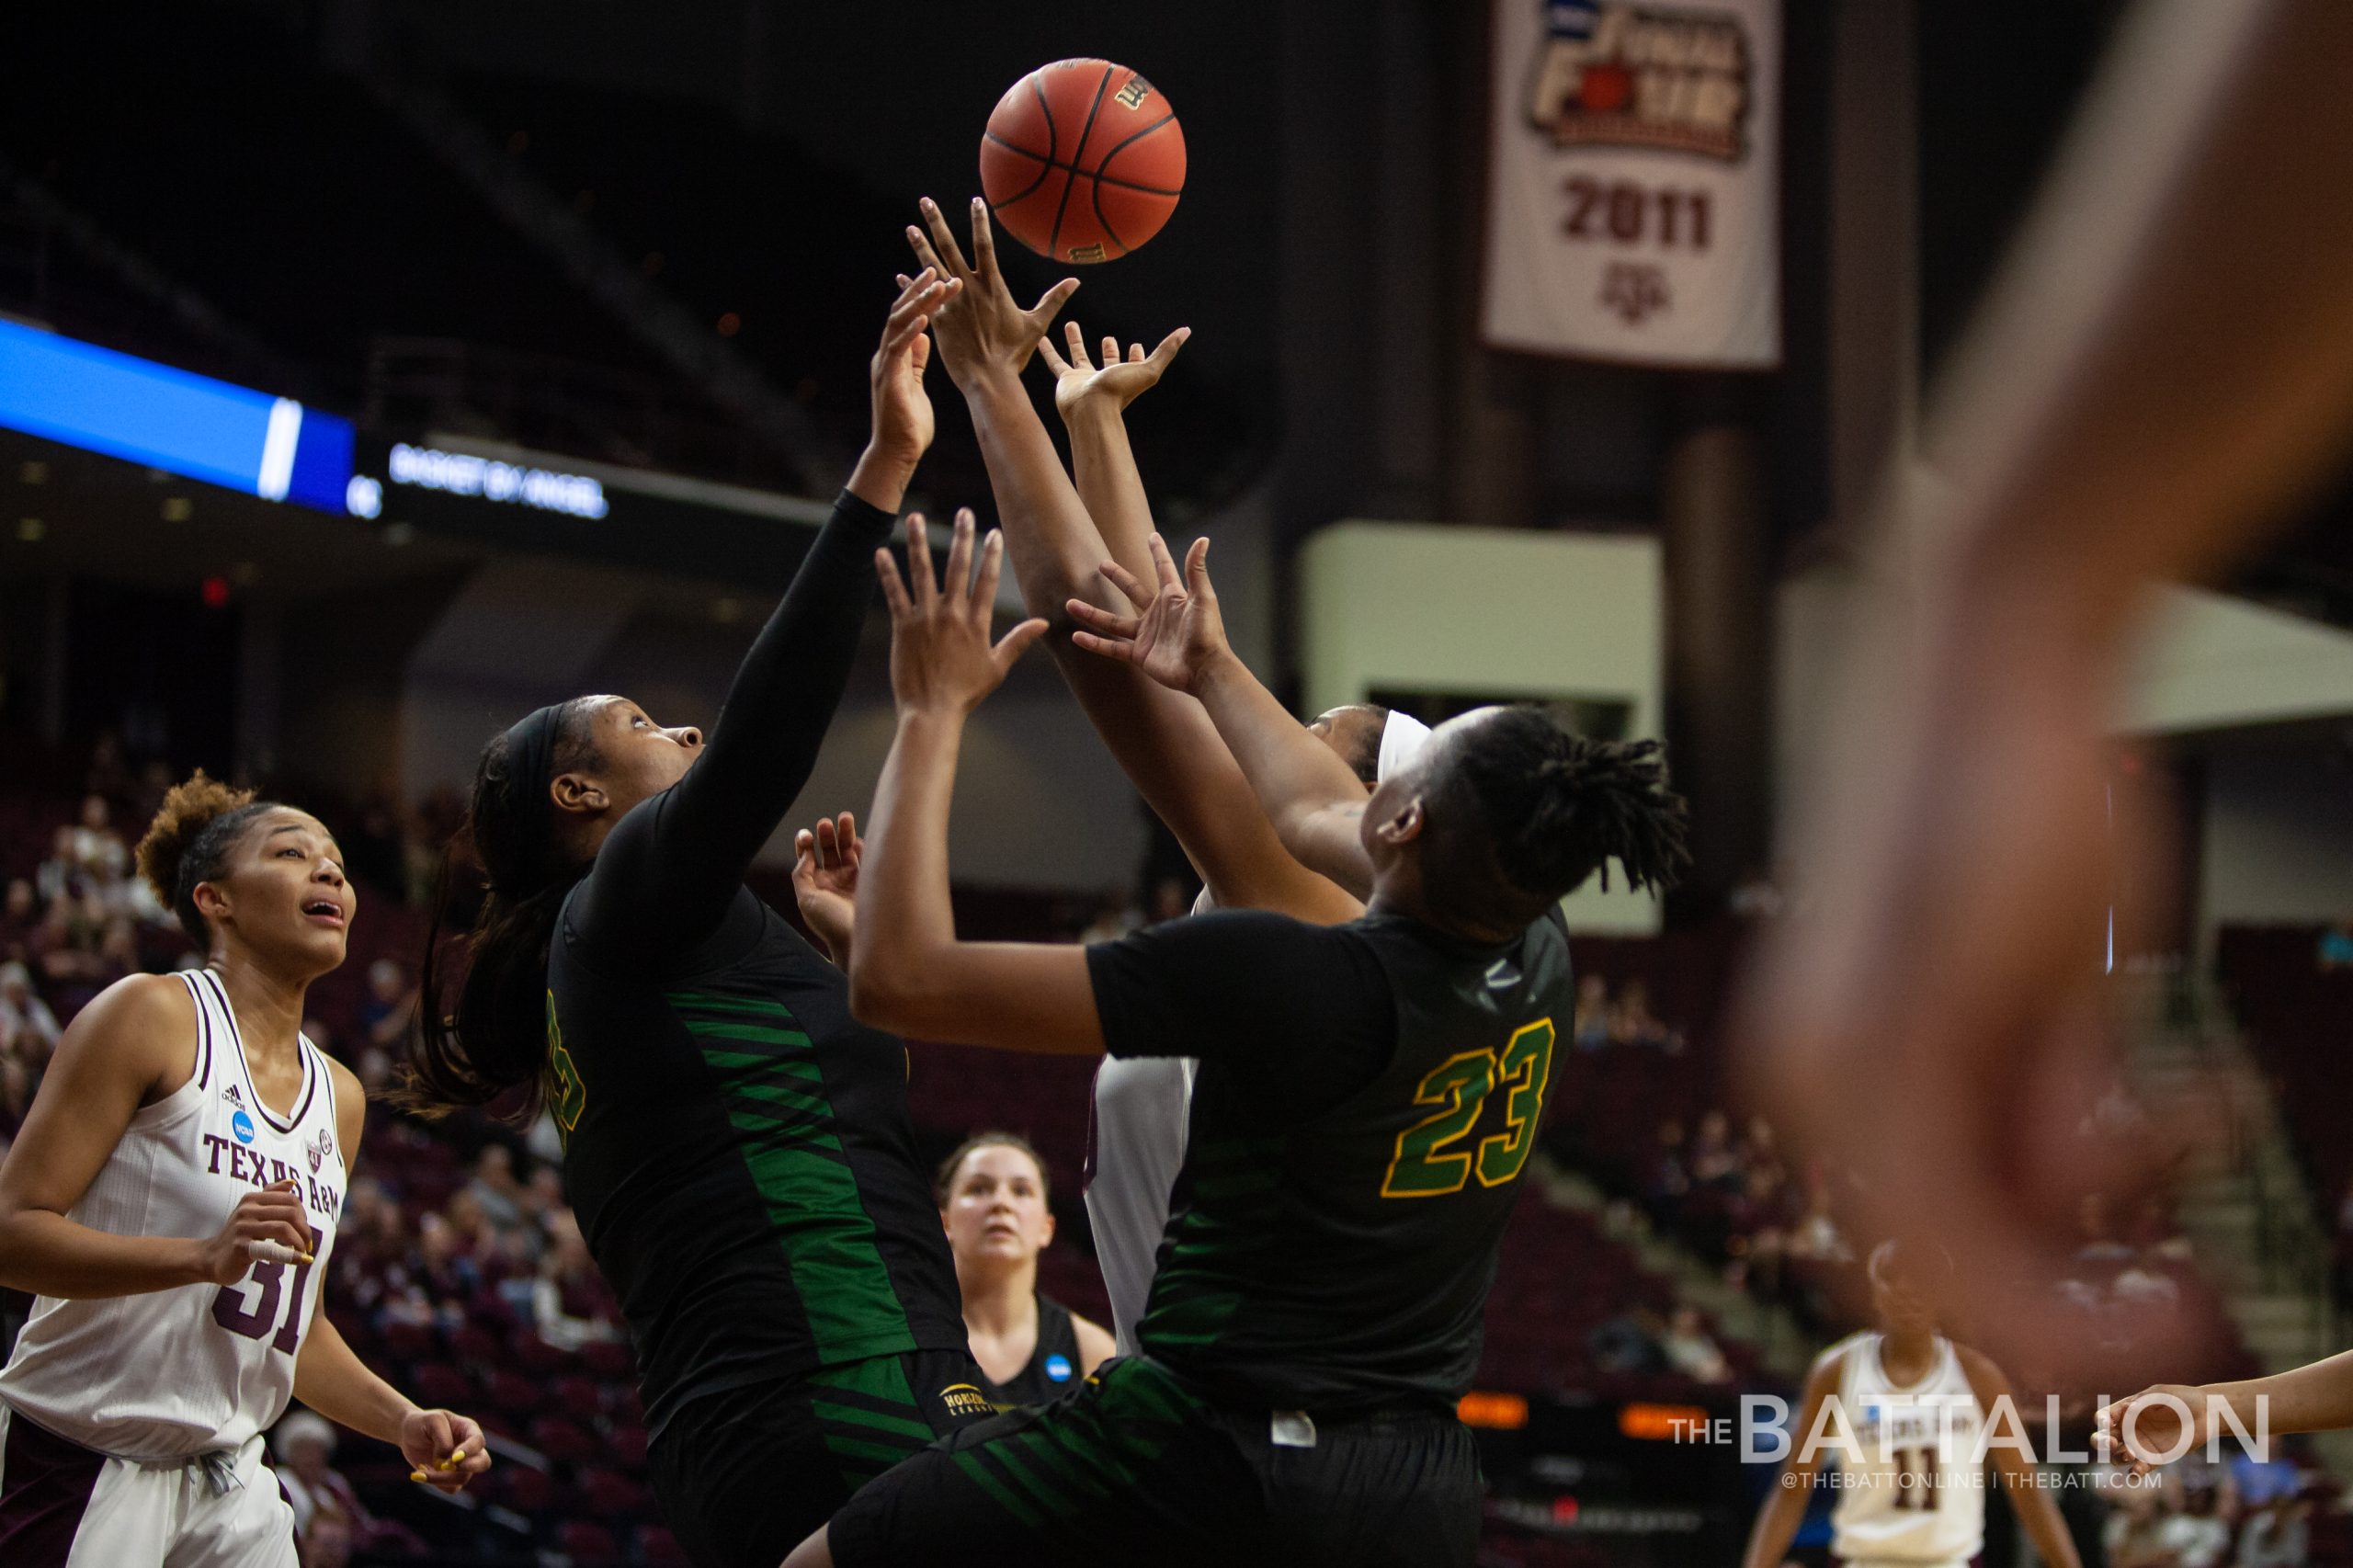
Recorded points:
(1083, 161)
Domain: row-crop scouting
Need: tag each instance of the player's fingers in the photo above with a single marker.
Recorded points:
(828, 847)
(1197, 569)
(1111, 350)
(1123, 652)
(845, 830)
(1054, 363)
(912, 293)
(1163, 567)
(958, 587)
(894, 589)
(1075, 336)
(1096, 617)
(983, 242)
(1166, 351)
(1016, 642)
(1125, 581)
(1050, 304)
(943, 240)
(272, 1249)
(984, 584)
(804, 854)
(919, 353)
(921, 244)
(1135, 353)
(921, 584)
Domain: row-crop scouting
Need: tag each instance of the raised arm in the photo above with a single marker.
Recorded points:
(1178, 638)
(665, 876)
(1161, 739)
(908, 972)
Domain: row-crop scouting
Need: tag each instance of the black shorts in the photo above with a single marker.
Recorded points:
(745, 1475)
(1132, 1468)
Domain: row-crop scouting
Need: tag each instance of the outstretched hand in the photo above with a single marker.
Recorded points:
(1116, 381)
(981, 329)
(1176, 634)
(825, 881)
(941, 659)
(2159, 1424)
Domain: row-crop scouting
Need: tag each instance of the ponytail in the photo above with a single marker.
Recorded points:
(491, 1036)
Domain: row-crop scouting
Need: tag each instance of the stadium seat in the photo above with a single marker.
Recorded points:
(587, 1544)
(655, 1546)
(564, 1442)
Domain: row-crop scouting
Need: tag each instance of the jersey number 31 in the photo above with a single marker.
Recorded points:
(1427, 1165)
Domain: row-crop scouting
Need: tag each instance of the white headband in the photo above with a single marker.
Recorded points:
(1401, 738)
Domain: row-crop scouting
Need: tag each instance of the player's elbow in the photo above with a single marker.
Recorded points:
(885, 996)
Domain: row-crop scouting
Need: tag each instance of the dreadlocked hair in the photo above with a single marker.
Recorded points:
(491, 1036)
(188, 845)
(1525, 811)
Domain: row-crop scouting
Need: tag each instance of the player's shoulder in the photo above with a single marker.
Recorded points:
(1836, 1357)
(142, 1024)
(1980, 1368)
(350, 1106)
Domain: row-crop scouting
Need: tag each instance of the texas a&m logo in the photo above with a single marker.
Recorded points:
(1611, 75)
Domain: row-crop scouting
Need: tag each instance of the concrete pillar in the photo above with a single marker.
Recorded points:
(1720, 649)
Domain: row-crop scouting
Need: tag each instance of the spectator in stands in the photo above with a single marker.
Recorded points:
(390, 1007)
(29, 1030)
(571, 1303)
(2194, 1534)
(2132, 1532)
(1689, 1349)
(1815, 1238)
(97, 848)
(2278, 1533)
(1669, 1181)
(1592, 1030)
(494, 1188)
(61, 870)
(1628, 1343)
(1115, 915)
(1633, 1023)
(19, 921)
(1714, 1161)
(320, 1497)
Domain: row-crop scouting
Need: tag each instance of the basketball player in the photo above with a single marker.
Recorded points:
(1056, 537)
(992, 1203)
(171, 1203)
(736, 1146)
(1367, 1100)
(1912, 1488)
(2166, 1421)
(2165, 365)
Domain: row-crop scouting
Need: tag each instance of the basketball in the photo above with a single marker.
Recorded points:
(1083, 161)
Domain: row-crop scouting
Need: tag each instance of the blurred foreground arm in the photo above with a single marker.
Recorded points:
(2168, 361)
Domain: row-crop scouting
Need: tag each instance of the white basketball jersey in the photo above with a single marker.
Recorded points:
(169, 1374)
(1916, 1493)
(1137, 1125)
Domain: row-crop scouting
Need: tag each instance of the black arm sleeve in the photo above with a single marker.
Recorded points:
(1311, 1003)
(670, 868)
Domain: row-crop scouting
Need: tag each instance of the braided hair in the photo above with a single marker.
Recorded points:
(1522, 812)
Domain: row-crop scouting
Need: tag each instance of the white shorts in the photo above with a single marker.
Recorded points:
(62, 1505)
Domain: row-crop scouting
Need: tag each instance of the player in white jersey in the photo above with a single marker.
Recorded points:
(1910, 1419)
(1142, 1108)
(171, 1203)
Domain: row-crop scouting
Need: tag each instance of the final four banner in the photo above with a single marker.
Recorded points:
(1634, 182)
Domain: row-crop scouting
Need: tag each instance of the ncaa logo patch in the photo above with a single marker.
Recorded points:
(1058, 1369)
(243, 1126)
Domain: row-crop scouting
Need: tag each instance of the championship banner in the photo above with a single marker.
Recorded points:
(1634, 182)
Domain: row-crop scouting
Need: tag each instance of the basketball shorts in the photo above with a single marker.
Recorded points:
(62, 1505)
(1132, 1468)
(744, 1475)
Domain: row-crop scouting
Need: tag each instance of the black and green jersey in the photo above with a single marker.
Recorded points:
(736, 1146)
(1367, 1103)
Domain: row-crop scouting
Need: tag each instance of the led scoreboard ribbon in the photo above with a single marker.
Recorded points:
(174, 420)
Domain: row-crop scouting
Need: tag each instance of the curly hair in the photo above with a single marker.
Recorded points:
(188, 844)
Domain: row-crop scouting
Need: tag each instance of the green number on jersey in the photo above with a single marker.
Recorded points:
(567, 1096)
(1459, 1086)
(1527, 1068)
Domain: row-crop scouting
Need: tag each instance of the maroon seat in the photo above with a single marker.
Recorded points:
(656, 1545)
(580, 1397)
(627, 1443)
(586, 1543)
(512, 1391)
(566, 1442)
(438, 1383)
(527, 1490)
(608, 1494)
